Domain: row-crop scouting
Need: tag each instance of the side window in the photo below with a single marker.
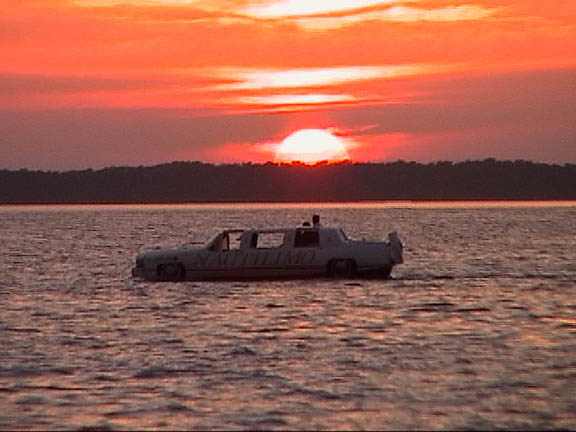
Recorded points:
(267, 240)
(234, 241)
(307, 238)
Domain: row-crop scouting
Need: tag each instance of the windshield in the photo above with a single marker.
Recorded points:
(212, 240)
(224, 241)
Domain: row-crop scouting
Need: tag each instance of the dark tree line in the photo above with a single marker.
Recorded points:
(201, 182)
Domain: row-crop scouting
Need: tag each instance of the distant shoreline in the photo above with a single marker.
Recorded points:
(201, 183)
(461, 204)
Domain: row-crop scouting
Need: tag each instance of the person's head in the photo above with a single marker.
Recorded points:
(315, 219)
(306, 223)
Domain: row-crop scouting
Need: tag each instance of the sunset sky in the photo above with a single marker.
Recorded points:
(96, 83)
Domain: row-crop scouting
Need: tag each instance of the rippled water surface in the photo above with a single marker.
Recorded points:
(477, 330)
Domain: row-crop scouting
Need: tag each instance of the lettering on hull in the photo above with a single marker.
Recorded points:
(239, 259)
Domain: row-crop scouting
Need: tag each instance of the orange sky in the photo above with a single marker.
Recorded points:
(94, 83)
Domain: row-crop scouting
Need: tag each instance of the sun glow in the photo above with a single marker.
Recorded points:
(311, 146)
(312, 99)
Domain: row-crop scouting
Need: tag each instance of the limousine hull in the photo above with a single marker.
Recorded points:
(332, 256)
(179, 272)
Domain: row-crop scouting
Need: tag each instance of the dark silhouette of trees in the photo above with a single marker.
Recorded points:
(202, 182)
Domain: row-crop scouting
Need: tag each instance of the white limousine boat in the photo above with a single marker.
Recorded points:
(301, 252)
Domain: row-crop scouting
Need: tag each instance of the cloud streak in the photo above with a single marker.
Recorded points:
(299, 8)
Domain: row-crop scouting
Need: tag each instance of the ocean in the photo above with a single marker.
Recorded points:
(476, 330)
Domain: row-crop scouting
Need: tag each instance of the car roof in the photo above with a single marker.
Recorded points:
(279, 229)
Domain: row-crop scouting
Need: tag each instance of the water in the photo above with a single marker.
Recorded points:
(477, 330)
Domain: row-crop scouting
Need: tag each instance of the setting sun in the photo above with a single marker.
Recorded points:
(311, 146)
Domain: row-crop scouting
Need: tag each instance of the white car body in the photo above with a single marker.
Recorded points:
(272, 253)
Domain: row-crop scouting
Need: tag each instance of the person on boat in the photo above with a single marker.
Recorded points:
(316, 220)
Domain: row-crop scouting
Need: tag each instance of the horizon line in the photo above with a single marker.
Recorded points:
(318, 164)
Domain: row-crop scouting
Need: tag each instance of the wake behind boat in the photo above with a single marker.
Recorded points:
(301, 252)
